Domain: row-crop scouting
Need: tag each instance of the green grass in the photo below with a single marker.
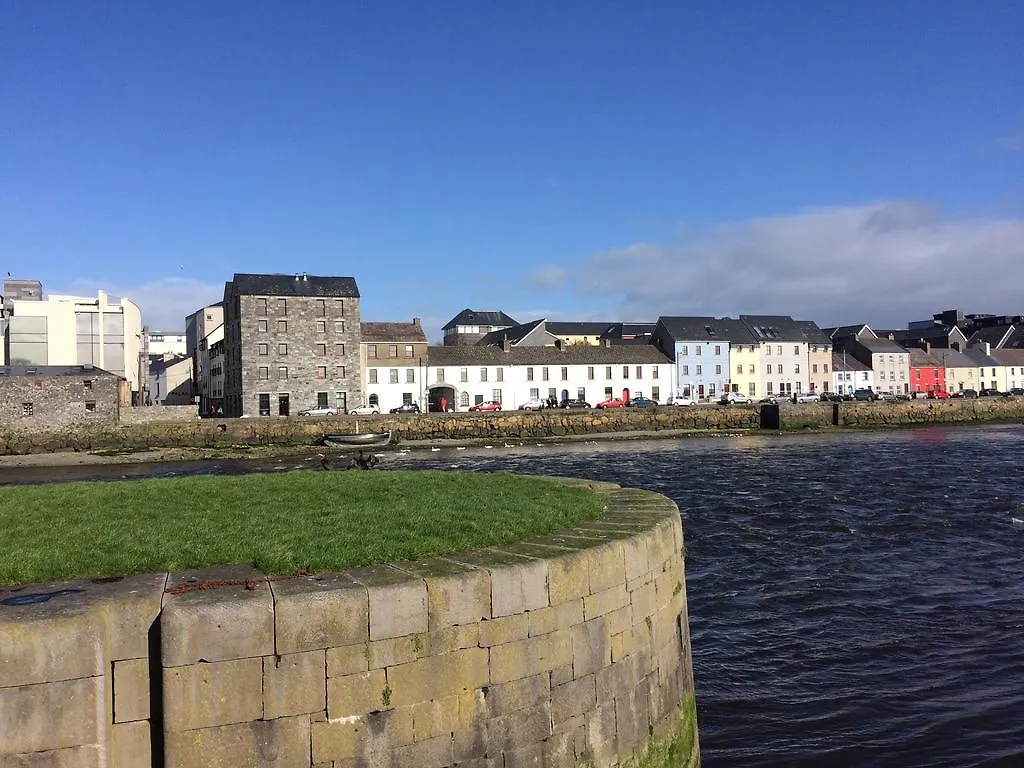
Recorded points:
(280, 523)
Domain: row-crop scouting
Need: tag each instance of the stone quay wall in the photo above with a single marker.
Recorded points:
(565, 650)
(301, 430)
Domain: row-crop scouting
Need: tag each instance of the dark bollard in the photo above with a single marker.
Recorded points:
(770, 416)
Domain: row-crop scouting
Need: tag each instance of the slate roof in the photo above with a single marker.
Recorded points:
(844, 331)
(812, 333)
(882, 346)
(1013, 357)
(994, 335)
(572, 355)
(514, 334)
(842, 362)
(773, 328)
(392, 332)
(950, 358)
(589, 328)
(53, 370)
(699, 329)
(937, 336)
(921, 359)
(977, 354)
(476, 317)
(295, 285)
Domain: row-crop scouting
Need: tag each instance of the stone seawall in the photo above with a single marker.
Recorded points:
(299, 430)
(566, 650)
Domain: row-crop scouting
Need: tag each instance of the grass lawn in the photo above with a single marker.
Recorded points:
(281, 523)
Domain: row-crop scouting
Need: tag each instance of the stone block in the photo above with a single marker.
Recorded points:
(555, 617)
(365, 740)
(531, 756)
(518, 729)
(434, 718)
(452, 639)
(573, 698)
(355, 695)
(131, 690)
(569, 577)
(348, 659)
(294, 684)
(504, 698)
(504, 630)
(51, 716)
(206, 695)
(282, 743)
(129, 608)
(602, 744)
(591, 648)
(321, 611)
(130, 745)
(518, 583)
(232, 621)
(562, 674)
(66, 642)
(606, 601)
(432, 753)
(564, 749)
(525, 658)
(632, 718)
(456, 593)
(438, 676)
(607, 567)
(635, 557)
(397, 601)
(339, 739)
(89, 756)
(644, 602)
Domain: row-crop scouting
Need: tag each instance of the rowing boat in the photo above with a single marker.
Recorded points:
(362, 439)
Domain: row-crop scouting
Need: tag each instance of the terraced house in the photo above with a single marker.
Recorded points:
(700, 347)
(783, 347)
(394, 357)
(290, 342)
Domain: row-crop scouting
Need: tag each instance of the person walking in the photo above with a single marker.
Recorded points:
(444, 405)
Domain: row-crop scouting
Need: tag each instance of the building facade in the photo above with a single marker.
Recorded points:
(290, 342)
(783, 346)
(470, 325)
(57, 395)
(394, 360)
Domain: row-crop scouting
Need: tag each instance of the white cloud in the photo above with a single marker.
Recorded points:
(547, 277)
(882, 263)
(165, 302)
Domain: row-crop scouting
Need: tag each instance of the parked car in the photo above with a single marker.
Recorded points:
(680, 400)
(968, 393)
(938, 394)
(642, 402)
(488, 405)
(887, 396)
(406, 408)
(831, 397)
(534, 404)
(366, 409)
(612, 402)
(808, 397)
(319, 410)
(990, 393)
(734, 397)
(1016, 392)
(574, 404)
(864, 395)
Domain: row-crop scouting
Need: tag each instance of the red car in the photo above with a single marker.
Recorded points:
(938, 394)
(612, 403)
(490, 405)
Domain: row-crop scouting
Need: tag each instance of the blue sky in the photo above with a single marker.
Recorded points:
(840, 162)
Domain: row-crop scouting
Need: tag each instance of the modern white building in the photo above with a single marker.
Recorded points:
(102, 331)
(163, 343)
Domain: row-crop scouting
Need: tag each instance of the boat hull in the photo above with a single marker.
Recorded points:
(361, 439)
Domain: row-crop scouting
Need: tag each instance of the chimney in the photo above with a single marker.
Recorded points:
(986, 347)
(506, 344)
(927, 348)
(304, 277)
(415, 321)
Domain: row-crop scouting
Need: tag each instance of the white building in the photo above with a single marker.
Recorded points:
(163, 343)
(393, 358)
(850, 374)
(105, 332)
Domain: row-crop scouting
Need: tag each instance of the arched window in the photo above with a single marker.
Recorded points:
(464, 399)
(374, 400)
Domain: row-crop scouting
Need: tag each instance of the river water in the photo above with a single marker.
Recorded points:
(855, 599)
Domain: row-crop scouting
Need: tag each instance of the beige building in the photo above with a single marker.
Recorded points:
(204, 345)
(394, 361)
(104, 332)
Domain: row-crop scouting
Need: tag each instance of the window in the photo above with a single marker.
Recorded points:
(590, 372)
(607, 371)
(718, 370)
(463, 374)
(684, 350)
(440, 374)
(464, 399)
(607, 393)
(699, 371)
(264, 403)
(529, 374)
(769, 369)
(499, 374)
(282, 306)
(780, 349)
(496, 395)
(371, 350)
(718, 349)
(339, 307)
(321, 326)
(779, 367)
(768, 351)
(339, 371)
(321, 399)
(393, 376)
(339, 326)
(371, 376)
(656, 393)
(282, 371)
(815, 367)
(796, 349)
(320, 306)
(320, 350)
(282, 349)
(686, 370)
(739, 369)
(625, 371)
(483, 374)
(261, 326)
(581, 393)
(90, 406)
(534, 393)
(697, 351)
(261, 309)
(751, 389)
(26, 409)
(711, 390)
(409, 350)
(639, 372)
(750, 369)
(565, 373)
(263, 372)
(796, 368)
(770, 388)
(410, 375)
(321, 371)
(392, 350)
(544, 373)
(340, 400)
(339, 350)
(262, 349)
(282, 326)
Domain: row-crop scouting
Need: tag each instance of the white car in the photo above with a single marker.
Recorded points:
(319, 410)
(808, 397)
(364, 410)
(535, 404)
(680, 400)
(734, 397)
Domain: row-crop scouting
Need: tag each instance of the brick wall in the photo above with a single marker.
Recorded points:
(567, 650)
(34, 402)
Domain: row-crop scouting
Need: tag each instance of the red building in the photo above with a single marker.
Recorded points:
(926, 372)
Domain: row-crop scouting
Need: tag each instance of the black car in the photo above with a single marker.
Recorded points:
(642, 402)
(832, 397)
(406, 408)
(864, 394)
(969, 393)
(574, 404)
(1015, 392)
(990, 393)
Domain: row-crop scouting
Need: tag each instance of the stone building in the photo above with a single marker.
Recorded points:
(33, 397)
(290, 341)
(204, 344)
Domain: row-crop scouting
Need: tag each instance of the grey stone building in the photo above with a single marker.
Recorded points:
(290, 342)
(32, 397)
